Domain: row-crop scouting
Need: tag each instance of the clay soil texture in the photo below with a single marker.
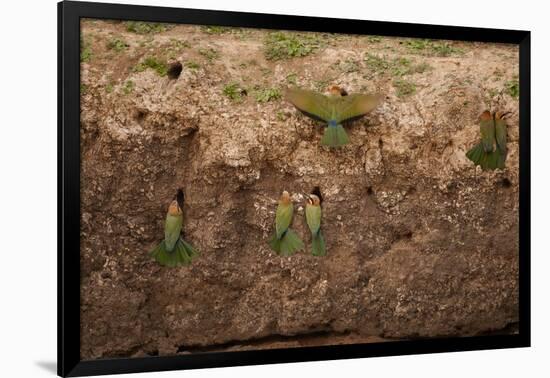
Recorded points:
(420, 242)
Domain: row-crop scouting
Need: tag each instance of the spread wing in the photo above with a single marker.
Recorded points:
(355, 106)
(312, 104)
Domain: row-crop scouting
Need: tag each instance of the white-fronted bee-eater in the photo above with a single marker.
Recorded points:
(173, 250)
(491, 152)
(313, 219)
(334, 110)
(285, 241)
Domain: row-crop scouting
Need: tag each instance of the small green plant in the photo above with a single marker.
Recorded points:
(376, 63)
(214, 29)
(128, 87)
(178, 44)
(192, 65)
(404, 66)
(291, 79)
(109, 87)
(429, 47)
(234, 91)
(83, 88)
(403, 87)
(140, 27)
(349, 66)
(117, 44)
(151, 62)
(512, 88)
(374, 39)
(279, 45)
(267, 94)
(281, 116)
(209, 53)
(85, 50)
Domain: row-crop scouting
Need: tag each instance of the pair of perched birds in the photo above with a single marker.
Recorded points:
(285, 241)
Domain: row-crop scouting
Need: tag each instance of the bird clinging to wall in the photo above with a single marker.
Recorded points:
(491, 151)
(173, 250)
(313, 219)
(285, 241)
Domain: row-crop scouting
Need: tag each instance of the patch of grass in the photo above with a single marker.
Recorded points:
(429, 47)
(234, 91)
(209, 53)
(140, 27)
(263, 95)
(291, 79)
(404, 66)
(109, 87)
(281, 116)
(192, 65)
(376, 63)
(83, 88)
(117, 44)
(374, 39)
(128, 87)
(349, 66)
(397, 67)
(404, 88)
(151, 62)
(512, 88)
(215, 29)
(85, 50)
(279, 45)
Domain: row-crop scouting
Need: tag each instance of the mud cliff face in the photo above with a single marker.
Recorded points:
(420, 243)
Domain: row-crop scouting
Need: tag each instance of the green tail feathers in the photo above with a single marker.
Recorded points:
(182, 254)
(335, 136)
(318, 244)
(288, 244)
(487, 160)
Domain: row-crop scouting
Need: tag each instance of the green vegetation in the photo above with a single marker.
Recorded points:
(178, 44)
(85, 50)
(209, 53)
(83, 88)
(429, 47)
(512, 87)
(374, 39)
(404, 87)
(117, 44)
(215, 29)
(234, 91)
(151, 62)
(192, 65)
(376, 64)
(397, 67)
(281, 116)
(140, 27)
(128, 87)
(109, 87)
(349, 66)
(267, 94)
(291, 79)
(279, 45)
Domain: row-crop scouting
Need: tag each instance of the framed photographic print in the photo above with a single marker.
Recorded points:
(241, 188)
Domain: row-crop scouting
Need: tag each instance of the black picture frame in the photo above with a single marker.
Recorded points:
(69, 15)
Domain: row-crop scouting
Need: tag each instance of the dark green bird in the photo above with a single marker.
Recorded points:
(173, 250)
(491, 152)
(313, 219)
(334, 109)
(285, 241)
